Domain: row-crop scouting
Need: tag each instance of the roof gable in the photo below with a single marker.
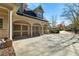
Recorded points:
(39, 9)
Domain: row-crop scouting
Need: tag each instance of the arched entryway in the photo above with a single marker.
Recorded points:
(36, 29)
(21, 29)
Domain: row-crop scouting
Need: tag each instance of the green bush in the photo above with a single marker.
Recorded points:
(54, 31)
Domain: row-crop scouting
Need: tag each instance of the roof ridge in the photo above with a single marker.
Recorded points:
(39, 7)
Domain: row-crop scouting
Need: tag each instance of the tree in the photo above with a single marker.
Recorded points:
(71, 12)
(54, 21)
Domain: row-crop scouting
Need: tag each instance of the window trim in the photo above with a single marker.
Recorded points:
(2, 21)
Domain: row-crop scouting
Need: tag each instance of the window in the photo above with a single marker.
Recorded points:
(1, 23)
(39, 14)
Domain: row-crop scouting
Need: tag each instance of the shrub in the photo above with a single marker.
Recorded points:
(54, 31)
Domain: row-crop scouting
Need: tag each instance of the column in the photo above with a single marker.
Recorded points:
(28, 30)
(42, 30)
(31, 30)
(21, 31)
(11, 25)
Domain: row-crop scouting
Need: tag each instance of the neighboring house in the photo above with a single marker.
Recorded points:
(60, 26)
(18, 22)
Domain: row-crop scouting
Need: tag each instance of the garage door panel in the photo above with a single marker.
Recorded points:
(24, 27)
(20, 31)
(25, 34)
(16, 27)
(17, 34)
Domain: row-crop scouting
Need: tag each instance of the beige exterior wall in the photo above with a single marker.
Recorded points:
(4, 15)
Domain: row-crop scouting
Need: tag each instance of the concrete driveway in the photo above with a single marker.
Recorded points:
(47, 45)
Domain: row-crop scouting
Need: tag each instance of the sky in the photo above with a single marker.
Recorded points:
(51, 9)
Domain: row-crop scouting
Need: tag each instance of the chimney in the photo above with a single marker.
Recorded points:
(23, 7)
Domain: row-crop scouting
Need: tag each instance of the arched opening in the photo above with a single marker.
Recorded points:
(36, 29)
(21, 29)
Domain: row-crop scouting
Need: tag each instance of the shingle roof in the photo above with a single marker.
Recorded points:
(29, 13)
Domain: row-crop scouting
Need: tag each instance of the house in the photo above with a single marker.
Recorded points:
(60, 26)
(16, 21)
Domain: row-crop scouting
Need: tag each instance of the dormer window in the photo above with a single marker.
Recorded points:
(39, 11)
(39, 14)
